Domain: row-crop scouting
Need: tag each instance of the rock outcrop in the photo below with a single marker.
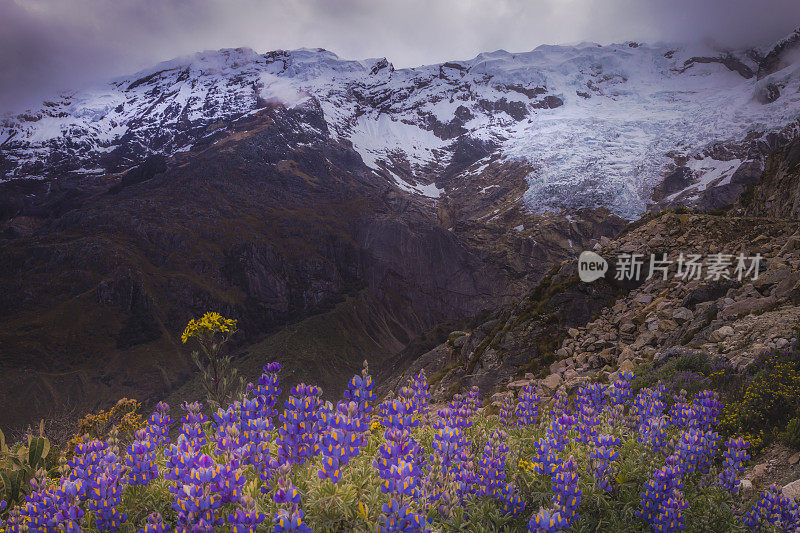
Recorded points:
(567, 331)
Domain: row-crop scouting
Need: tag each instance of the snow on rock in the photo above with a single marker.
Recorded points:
(599, 125)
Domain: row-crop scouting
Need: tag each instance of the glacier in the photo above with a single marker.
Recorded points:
(597, 125)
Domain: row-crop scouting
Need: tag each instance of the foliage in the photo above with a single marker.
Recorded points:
(124, 417)
(617, 464)
(768, 400)
(762, 401)
(220, 380)
(19, 463)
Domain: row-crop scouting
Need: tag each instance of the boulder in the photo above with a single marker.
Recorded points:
(643, 340)
(721, 334)
(558, 367)
(748, 306)
(626, 354)
(552, 382)
(792, 490)
(682, 315)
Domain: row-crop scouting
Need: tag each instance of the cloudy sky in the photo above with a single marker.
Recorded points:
(49, 45)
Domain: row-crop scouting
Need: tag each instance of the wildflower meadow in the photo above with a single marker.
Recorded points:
(599, 459)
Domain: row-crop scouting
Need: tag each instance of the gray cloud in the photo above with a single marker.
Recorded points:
(49, 45)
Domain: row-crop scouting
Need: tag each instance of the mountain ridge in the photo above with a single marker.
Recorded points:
(621, 117)
(336, 204)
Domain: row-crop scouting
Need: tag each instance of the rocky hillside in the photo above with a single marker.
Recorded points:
(277, 224)
(567, 331)
(347, 209)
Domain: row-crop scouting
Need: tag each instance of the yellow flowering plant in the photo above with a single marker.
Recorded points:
(220, 380)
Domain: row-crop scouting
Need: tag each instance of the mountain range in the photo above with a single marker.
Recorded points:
(345, 209)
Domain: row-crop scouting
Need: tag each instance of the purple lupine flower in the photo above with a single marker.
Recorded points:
(290, 522)
(87, 461)
(557, 433)
(682, 415)
(227, 432)
(603, 455)
(197, 500)
(181, 458)
(567, 495)
(547, 521)
(16, 522)
(621, 391)
(398, 462)
(648, 404)
(490, 477)
(231, 480)
(447, 444)
(491, 473)
(587, 423)
(154, 524)
(653, 431)
(460, 412)
(766, 509)
(360, 391)
(790, 514)
(289, 516)
(268, 391)
(473, 399)
(696, 449)
(342, 440)
(450, 450)
(400, 518)
(421, 393)
(670, 516)
(158, 424)
(43, 505)
(105, 494)
(511, 503)
(546, 459)
(254, 433)
(192, 424)
(707, 406)
(528, 405)
(67, 501)
(246, 518)
(560, 401)
(141, 458)
(665, 485)
(297, 438)
(466, 471)
(593, 395)
(735, 457)
(508, 411)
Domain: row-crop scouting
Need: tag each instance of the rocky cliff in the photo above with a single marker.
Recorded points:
(277, 224)
(567, 331)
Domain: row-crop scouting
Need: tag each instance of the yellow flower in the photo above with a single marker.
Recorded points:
(207, 326)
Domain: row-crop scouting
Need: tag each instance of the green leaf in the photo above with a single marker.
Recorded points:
(35, 452)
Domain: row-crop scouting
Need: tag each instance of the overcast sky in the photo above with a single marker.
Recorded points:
(49, 45)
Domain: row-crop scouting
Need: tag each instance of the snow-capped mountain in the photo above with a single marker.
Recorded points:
(617, 126)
